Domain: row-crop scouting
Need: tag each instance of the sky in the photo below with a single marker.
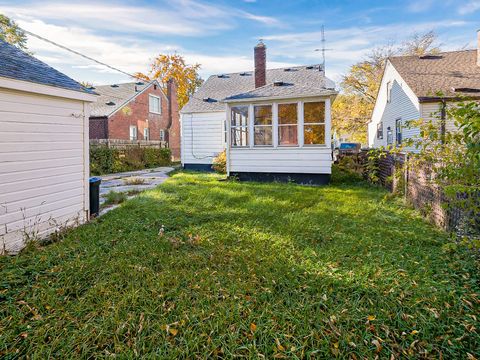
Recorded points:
(220, 34)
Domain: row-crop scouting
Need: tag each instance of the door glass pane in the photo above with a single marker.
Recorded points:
(263, 135)
(287, 135)
(263, 115)
(287, 114)
(314, 112)
(314, 134)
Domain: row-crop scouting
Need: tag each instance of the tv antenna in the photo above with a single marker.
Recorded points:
(323, 49)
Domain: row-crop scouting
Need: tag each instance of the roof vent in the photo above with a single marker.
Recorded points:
(114, 85)
(222, 76)
(430, 57)
(287, 69)
(244, 74)
(278, 83)
(110, 103)
(208, 99)
(466, 90)
(310, 67)
(91, 87)
(140, 83)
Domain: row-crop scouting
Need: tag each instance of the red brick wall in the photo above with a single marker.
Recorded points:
(136, 112)
(174, 133)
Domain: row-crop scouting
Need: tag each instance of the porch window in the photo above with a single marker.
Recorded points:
(287, 124)
(314, 123)
(262, 125)
(239, 126)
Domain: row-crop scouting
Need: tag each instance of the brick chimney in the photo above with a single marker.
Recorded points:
(173, 127)
(478, 47)
(260, 54)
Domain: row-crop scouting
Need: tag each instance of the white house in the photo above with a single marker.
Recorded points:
(275, 124)
(419, 87)
(44, 165)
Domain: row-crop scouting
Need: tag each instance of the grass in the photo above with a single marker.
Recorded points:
(199, 268)
(134, 181)
(114, 198)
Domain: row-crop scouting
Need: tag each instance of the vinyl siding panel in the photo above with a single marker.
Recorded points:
(202, 137)
(432, 111)
(43, 165)
(306, 160)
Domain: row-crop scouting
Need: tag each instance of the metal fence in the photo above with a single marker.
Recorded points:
(123, 144)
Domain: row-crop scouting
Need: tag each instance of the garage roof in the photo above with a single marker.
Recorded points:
(18, 65)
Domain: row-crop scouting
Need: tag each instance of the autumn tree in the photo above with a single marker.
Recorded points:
(11, 33)
(353, 107)
(165, 67)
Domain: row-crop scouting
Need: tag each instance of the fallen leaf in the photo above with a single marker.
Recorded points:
(279, 346)
(173, 331)
(414, 332)
(471, 357)
(377, 345)
(253, 327)
(371, 317)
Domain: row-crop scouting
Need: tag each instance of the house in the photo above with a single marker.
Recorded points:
(274, 124)
(44, 168)
(137, 111)
(419, 87)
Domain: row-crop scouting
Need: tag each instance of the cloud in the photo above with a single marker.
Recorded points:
(469, 7)
(418, 6)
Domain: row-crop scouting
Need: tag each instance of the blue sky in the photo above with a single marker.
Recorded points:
(220, 34)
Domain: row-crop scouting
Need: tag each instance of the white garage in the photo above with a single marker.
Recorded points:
(44, 161)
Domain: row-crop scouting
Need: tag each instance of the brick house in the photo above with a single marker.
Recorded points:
(137, 111)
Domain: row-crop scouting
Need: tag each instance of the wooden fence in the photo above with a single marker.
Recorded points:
(124, 144)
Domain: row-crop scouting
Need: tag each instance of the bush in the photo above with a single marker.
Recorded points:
(220, 163)
(105, 160)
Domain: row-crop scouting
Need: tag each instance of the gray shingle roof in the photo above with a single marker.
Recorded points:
(116, 95)
(18, 65)
(441, 73)
(300, 81)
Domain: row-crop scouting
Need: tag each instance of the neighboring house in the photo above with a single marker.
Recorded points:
(44, 161)
(419, 87)
(275, 124)
(137, 111)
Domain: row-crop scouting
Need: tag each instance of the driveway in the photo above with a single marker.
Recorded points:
(132, 182)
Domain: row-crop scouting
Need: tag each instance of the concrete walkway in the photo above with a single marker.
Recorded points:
(131, 182)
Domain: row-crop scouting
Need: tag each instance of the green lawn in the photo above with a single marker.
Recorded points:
(248, 270)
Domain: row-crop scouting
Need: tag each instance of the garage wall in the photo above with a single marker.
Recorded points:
(43, 165)
(202, 137)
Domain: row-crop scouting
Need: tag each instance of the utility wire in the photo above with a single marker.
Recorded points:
(77, 53)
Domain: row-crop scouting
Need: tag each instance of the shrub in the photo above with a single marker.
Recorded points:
(220, 163)
(105, 160)
(113, 198)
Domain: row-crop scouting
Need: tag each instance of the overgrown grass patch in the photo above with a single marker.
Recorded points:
(114, 198)
(201, 268)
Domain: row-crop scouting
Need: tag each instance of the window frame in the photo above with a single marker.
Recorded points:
(296, 124)
(135, 128)
(389, 91)
(162, 135)
(150, 97)
(146, 133)
(398, 134)
(380, 130)
(263, 126)
(324, 123)
(245, 127)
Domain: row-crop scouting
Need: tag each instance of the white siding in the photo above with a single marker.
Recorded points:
(404, 105)
(202, 137)
(43, 165)
(432, 111)
(306, 160)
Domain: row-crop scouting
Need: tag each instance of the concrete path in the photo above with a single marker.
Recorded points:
(131, 182)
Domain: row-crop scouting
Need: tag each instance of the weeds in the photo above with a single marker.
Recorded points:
(114, 198)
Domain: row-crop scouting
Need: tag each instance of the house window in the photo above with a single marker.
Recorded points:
(162, 135)
(133, 132)
(380, 131)
(398, 131)
(146, 134)
(154, 104)
(287, 124)
(389, 136)
(314, 123)
(239, 123)
(262, 125)
(389, 91)
(225, 131)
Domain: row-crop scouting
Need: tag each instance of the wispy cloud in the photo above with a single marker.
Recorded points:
(418, 6)
(469, 7)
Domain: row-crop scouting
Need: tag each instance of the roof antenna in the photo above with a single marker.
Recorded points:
(323, 49)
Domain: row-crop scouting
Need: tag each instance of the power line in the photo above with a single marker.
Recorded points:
(77, 53)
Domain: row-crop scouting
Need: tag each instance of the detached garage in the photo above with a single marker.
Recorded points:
(44, 164)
